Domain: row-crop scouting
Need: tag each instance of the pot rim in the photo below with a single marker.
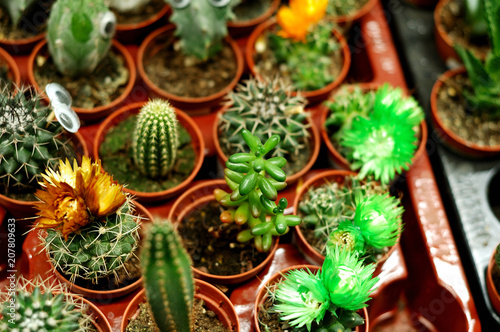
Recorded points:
(127, 27)
(13, 68)
(356, 15)
(257, 20)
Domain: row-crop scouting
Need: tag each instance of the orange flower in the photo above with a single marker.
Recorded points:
(296, 20)
(73, 197)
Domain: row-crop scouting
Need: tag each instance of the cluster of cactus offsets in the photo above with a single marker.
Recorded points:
(201, 25)
(79, 35)
(485, 78)
(168, 278)
(29, 141)
(253, 196)
(128, 6)
(265, 109)
(42, 306)
(16, 9)
(156, 139)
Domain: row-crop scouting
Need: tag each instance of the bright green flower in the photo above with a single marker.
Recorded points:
(349, 237)
(348, 282)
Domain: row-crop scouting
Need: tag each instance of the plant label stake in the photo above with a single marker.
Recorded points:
(60, 102)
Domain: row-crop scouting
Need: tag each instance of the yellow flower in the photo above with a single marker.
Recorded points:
(74, 196)
(296, 20)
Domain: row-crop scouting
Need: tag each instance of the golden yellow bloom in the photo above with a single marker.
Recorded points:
(296, 20)
(74, 196)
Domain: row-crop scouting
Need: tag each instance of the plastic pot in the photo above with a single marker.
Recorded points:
(490, 285)
(244, 28)
(14, 73)
(355, 15)
(98, 318)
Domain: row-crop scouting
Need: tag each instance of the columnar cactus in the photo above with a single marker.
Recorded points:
(16, 9)
(79, 35)
(168, 278)
(156, 139)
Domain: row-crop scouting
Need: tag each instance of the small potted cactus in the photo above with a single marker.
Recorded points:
(465, 102)
(493, 279)
(196, 69)
(265, 109)
(90, 230)
(160, 159)
(80, 54)
(306, 298)
(173, 300)
(301, 48)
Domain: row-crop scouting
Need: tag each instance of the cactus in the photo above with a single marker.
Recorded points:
(201, 25)
(17, 9)
(79, 35)
(30, 141)
(156, 139)
(128, 6)
(168, 278)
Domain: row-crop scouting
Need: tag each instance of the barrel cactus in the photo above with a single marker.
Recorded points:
(168, 278)
(17, 9)
(156, 139)
(79, 35)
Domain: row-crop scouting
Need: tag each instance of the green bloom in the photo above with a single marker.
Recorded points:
(301, 298)
(349, 237)
(379, 219)
(348, 282)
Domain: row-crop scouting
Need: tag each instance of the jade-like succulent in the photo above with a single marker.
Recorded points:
(329, 299)
(156, 139)
(201, 25)
(79, 35)
(16, 9)
(168, 278)
(485, 78)
(254, 181)
(128, 6)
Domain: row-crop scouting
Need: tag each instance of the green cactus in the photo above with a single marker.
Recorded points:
(30, 141)
(156, 139)
(79, 35)
(201, 25)
(168, 278)
(17, 9)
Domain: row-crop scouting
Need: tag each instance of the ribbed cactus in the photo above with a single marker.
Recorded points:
(201, 25)
(16, 9)
(156, 139)
(168, 278)
(79, 34)
(128, 6)
(29, 141)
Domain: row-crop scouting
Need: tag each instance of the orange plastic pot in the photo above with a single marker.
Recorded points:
(98, 319)
(238, 29)
(490, 285)
(14, 73)
(88, 114)
(185, 120)
(129, 33)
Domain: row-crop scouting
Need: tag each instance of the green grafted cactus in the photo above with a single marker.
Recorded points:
(168, 278)
(201, 25)
(79, 35)
(29, 141)
(156, 139)
(16, 9)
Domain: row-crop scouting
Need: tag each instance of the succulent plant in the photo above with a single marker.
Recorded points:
(17, 9)
(168, 278)
(79, 35)
(156, 138)
(128, 6)
(201, 25)
(474, 17)
(253, 196)
(485, 78)
(30, 141)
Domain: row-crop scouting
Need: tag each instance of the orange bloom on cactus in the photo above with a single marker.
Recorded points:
(75, 196)
(296, 20)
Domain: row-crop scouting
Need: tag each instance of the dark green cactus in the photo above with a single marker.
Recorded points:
(156, 139)
(168, 278)
(16, 9)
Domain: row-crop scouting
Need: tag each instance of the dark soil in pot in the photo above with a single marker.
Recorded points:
(249, 9)
(4, 75)
(105, 84)
(117, 159)
(32, 24)
(458, 117)
(204, 320)
(147, 12)
(212, 244)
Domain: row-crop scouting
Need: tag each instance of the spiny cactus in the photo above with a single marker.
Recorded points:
(29, 140)
(79, 35)
(201, 25)
(168, 278)
(17, 9)
(128, 6)
(156, 139)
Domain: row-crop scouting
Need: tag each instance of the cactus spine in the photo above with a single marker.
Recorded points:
(168, 278)
(156, 139)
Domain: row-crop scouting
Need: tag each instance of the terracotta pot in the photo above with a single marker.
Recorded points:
(150, 46)
(186, 121)
(356, 15)
(105, 295)
(131, 33)
(14, 73)
(448, 137)
(262, 295)
(490, 285)
(339, 160)
(98, 318)
(313, 96)
(315, 140)
(202, 194)
(244, 28)
(88, 114)
(25, 209)
(214, 300)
